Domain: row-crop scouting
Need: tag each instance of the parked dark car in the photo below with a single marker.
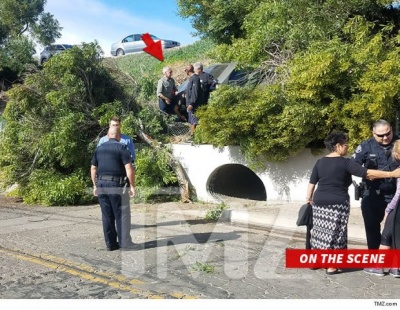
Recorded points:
(52, 50)
(134, 43)
(224, 73)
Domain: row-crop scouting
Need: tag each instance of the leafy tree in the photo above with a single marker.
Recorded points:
(54, 121)
(52, 126)
(274, 27)
(217, 19)
(20, 22)
(336, 73)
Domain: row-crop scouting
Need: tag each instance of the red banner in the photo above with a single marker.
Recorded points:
(351, 258)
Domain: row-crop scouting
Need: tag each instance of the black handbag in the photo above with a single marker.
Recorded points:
(305, 215)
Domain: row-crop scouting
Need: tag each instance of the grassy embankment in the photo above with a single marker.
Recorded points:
(147, 70)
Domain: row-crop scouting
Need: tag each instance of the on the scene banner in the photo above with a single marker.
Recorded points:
(351, 258)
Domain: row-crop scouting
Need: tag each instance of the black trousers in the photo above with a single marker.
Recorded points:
(168, 108)
(116, 214)
(373, 207)
(308, 237)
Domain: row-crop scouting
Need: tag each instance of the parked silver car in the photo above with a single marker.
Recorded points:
(223, 73)
(134, 43)
(52, 50)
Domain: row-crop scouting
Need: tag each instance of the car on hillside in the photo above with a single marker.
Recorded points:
(134, 43)
(223, 73)
(51, 50)
(395, 5)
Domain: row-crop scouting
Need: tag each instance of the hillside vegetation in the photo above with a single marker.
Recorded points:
(321, 66)
(144, 70)
(55, 118)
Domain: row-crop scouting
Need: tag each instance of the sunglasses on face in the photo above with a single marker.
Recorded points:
(384, 135)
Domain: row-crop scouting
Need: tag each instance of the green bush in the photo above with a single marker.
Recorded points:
(153, 168)
(152, 172)
(54, 189)
(53, 122)
(215, 213)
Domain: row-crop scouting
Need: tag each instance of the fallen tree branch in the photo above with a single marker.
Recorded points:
(173, 163)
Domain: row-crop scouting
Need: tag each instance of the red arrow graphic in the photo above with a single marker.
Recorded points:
(152, 48)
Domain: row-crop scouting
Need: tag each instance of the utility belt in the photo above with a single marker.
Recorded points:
(382, 194)
(362, 189)
(122, 180)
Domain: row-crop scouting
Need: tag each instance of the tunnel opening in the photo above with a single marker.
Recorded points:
(235, 180)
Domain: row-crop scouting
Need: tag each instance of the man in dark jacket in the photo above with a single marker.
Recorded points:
(111, 173)
(207, 82)
(194, 96)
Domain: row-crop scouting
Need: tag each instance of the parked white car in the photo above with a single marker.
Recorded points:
(134, 43)
(52, 50)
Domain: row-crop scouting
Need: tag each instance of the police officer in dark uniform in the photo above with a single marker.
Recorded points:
(113, 175)
(207, 82)
(375, 153)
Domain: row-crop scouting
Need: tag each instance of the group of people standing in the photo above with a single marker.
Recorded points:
(197, 93)
(375, 160)
(112, 166)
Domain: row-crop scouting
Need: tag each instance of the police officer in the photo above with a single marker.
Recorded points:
(207, 82)
(112, 172)
(375, 153)
(116, 122)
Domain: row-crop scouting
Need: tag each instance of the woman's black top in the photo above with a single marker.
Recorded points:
(333, 175)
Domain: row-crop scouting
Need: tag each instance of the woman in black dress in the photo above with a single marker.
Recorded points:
(330, 201)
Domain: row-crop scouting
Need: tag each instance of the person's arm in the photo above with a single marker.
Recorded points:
(194, 93)
(159, 88)
(189, 101)
(93, 175)
(196, 88)
(370, 174)
(210, 82)
(176, 110)
(313, 181)
(131, 149)
(130, 173)
(174, 89)
(310, 192)
(378, 174)
(393, 203)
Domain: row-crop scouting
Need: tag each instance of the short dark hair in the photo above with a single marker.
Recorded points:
(334, 138)
(380, 122)
(115, 119)
(189, 68)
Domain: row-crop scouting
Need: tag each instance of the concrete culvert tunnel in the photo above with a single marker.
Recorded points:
(235, 180)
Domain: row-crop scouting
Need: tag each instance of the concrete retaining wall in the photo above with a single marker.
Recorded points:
(283, 182)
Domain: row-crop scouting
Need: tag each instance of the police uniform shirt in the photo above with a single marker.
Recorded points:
(124, 140)
(110, 158)
(373, 155)
(193, 91)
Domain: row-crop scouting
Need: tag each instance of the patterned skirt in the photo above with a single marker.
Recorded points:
(330, 226)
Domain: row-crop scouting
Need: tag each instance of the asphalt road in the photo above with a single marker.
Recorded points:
(59, 253)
